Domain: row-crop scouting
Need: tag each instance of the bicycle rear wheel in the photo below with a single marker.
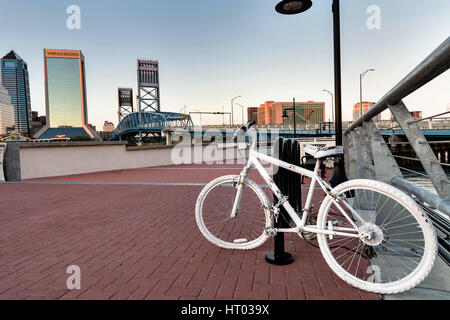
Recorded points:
(213, 214)
(397, 245)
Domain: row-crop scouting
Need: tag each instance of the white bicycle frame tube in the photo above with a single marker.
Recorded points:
(254, 158)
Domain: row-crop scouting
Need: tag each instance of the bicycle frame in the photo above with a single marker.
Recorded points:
(300, 223)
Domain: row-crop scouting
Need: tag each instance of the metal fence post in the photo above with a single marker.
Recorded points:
(290, 185)
(385, 166)
(422, 149)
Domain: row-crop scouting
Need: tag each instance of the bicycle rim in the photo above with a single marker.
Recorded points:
(400, 252)
(214, 207)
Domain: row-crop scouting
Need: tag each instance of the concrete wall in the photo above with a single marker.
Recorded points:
(50, 160)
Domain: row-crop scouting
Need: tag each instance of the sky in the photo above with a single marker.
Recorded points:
(211, 51)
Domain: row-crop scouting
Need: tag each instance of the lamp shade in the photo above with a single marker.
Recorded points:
(293, 6)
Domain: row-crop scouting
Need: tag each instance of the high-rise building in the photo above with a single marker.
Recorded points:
(38, 122)
(6, 111)
(108, 126)
(14, 77)
(65, 95)
(309, 112)
(252, 114)
(365, 107)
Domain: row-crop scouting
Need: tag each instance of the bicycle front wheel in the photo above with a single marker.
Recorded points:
(396, 247)
(214, 209)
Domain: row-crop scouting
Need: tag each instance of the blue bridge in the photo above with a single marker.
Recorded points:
(149, 123)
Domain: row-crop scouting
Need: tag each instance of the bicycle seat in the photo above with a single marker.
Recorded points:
(325, 152)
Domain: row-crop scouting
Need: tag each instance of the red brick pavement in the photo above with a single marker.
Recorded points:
(140, 242)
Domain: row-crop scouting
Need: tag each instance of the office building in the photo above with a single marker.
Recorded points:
(14, 78)
(6, 111)
(309, 112)
(252, 114)
(108, 126)
(365, 107)
(37, 121)
(65, 95)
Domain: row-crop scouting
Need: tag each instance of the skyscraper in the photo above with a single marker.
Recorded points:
(14, 77)
(365, 107)
(309, 112)
(6, 111)
(65, 95)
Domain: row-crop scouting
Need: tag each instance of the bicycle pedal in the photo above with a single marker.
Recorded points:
(271, 232)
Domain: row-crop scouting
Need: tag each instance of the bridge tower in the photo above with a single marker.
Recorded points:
(148, 85)
(125, 102)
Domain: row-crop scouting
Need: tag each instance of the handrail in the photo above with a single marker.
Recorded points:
(435, 64)
(425, 195)
(365, 144)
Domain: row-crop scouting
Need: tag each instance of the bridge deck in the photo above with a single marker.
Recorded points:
(134, 236)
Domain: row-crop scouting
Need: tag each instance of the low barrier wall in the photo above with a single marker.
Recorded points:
(50, 160)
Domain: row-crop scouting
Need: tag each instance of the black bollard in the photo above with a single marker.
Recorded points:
(339, 176)
(289, 184)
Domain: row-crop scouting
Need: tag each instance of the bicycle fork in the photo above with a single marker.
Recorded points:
(240, 191)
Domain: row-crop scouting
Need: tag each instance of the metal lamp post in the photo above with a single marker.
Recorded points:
(232, 109)
(332, 103)
(285, 116)
(290, 7)
(361, 76)
(242, 107)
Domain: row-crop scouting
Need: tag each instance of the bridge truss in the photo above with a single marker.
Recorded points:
(149, 124)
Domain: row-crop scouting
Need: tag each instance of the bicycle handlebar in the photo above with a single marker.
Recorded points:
(248, 126)
(243, 130)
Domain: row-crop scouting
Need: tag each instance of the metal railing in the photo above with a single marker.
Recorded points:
(369, 156)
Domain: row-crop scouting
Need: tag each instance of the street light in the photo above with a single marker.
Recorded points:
(232, 109)
(242, 107)
(290, 7)
(293, 6)
(285, 116)
(298, 6)
(361, 76)
(332, 102)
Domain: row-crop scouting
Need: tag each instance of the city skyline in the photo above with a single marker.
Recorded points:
(235, 48)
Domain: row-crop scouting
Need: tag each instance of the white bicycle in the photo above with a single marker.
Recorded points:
(373, 236)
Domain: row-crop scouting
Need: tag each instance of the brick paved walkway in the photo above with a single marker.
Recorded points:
(140, 242)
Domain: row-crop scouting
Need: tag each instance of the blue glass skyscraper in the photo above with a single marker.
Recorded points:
(14, 77)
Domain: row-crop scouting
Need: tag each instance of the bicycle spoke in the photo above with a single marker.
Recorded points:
(250, 221)
(395, 249)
